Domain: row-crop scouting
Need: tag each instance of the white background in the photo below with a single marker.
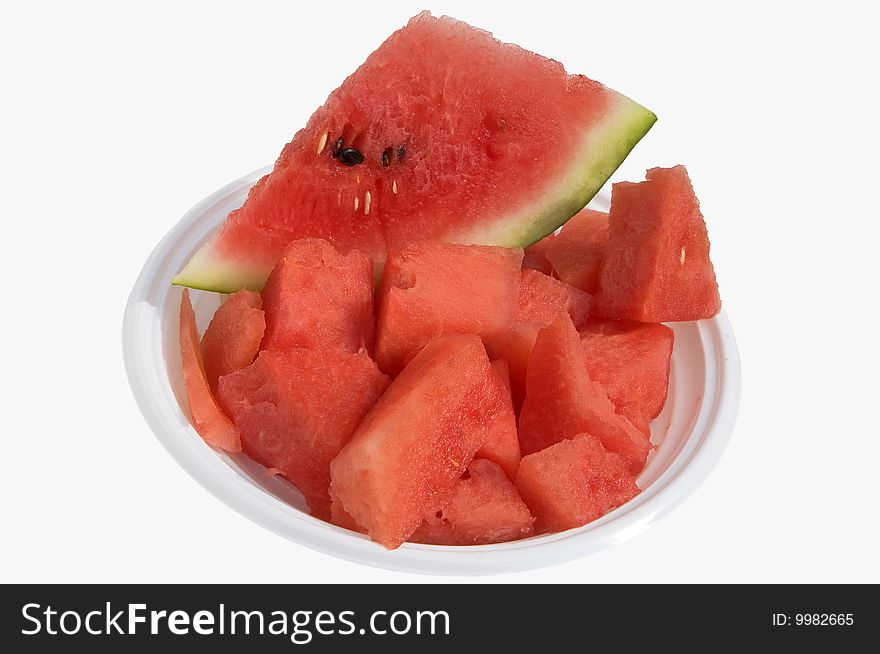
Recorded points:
(116, 119)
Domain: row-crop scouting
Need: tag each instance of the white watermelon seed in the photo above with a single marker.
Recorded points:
(394, 187)
(357, 202)
(681, 257)
(323, 142)
(367, 199)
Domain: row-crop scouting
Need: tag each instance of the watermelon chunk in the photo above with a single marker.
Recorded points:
(431, 289)
(444, 134)
(657, 267)
(562, 401)
(319, 299)
(574, 482)
(631, 363)
(297, 408)
(233, 336)
(483, 507)
(514, 346)
(412, 447)
(207, 417)
(536, 255)
(502, 443)
(541, 298)
(577, 252)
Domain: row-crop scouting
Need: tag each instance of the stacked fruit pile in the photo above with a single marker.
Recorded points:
(486, 401)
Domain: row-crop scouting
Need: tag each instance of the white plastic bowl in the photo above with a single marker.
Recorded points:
(690, 433)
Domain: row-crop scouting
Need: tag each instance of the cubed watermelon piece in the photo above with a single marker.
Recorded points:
(657, 267)
(502, 443)
(319, 299)
(562, 401)
(630, 360)
(535, 257)
(297, 408)
(574, 482)
(233, 336)
(207, 417)
(514, 346)
(577, 252)
(483, 507)
(431, 289)
(541, 298)
(418, 439)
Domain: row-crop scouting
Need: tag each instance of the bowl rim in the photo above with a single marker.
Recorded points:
(141, 336)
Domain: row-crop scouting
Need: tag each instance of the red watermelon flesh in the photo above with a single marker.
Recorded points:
(207, 417)
(340, 517)
(536, 255)
(574, 482)
(577, 252)
(562, 401)
(541, 298)
(317, 298)
(502, 443)
(483, 507)
(297, 408)
(442, 134)
(233, 337)
(431, 289)
(418, 439)
(657, 267)
(631, 363)
(514, 346)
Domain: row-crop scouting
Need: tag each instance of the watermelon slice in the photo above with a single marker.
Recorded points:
(631, 363)
(207, 417)
(577, 252)
(443, 133)
(410, 450)
(233, 337)
(574, 482)
(541, 298)
(502, 443)
(319, 299)
(483, 507)
(432, 289)
(657, 267)
(562, 401)
(296, 409)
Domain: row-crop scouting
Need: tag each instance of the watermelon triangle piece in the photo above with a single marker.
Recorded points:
(233, 336)
(442, 134)
(657, 266)
(483, 507)
(562, 401)
(576, 253)
(502, 443)
(208, 418)
(574, 482)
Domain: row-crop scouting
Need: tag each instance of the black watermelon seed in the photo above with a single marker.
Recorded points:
(350, 156)
(337, 146)
(386, 157)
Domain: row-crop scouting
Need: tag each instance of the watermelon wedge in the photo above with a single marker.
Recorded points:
(443, 133)
(208, 418)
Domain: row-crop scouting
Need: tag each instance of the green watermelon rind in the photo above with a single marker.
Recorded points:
(605, 146)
